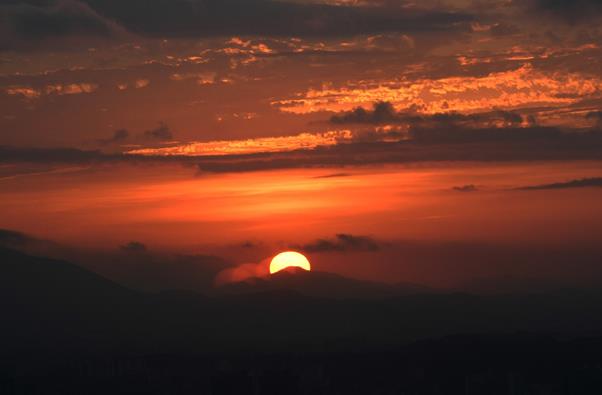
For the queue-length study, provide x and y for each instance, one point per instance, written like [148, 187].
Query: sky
[432, 142]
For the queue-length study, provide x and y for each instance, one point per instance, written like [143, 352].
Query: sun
[289, 259]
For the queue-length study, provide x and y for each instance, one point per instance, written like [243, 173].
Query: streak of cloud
[595, 182]
[466, 188]
[342, 242]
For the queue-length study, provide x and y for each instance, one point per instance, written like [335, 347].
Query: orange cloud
[27, 92]
[142, 83]
[55, 89]
[265, 144]
[205, 78]
[522, 87]
[71, 89]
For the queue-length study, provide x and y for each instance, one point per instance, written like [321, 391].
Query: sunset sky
[438, 142]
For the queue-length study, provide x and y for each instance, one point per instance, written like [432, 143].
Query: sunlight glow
[289, 259]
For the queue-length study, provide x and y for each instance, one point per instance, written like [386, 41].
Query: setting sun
[289, 259]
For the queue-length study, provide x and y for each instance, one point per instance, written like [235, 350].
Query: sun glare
[289, 259]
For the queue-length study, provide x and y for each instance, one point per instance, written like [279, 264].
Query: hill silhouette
[56, 305]
[320, 285]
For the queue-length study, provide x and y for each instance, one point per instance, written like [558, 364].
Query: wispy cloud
[581, 183]
[466, 188]
[31, 93]
[250, 146]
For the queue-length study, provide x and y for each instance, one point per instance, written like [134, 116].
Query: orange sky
[390, 121]
[169, 208]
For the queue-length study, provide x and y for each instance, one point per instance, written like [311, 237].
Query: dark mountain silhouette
[51, 304]
[57, 303]
[321, 285]
[32, 279]
[67, 330]
[509, 284]
[10, 237]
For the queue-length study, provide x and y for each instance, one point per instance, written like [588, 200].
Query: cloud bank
[342, 242]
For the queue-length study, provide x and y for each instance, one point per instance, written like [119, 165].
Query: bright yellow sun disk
[289, 259]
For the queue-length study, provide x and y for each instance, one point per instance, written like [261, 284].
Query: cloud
[134, 247]
[31, 93]
[119, 136]
[249, 146]
[452, 134]
[205, 18]
[71, 89]
[596, 116]
[581, 183]
[503, 29]
[50, 155]
[249, 244]
[333, 175]
[160, 133]
[500, 118]
[511, 144]
[427, 144]
[341, 243]
[142, 83]
[25, 91]
[384, 112]
[466, 188]
[509, 87]
[28, 24]
[571, 11]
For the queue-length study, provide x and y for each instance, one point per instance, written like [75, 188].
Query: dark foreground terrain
[519, 364]
[65, 330]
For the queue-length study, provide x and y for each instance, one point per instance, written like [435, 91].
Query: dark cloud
[26, 24]
[382, 112]
[202, 18]
[494, 119]
[33, 24]
[134, 246]
[333, 175]
[160, 133]
[581, 183]
[466, 188]
[532, 120]
[456, 135]
[342, 243]
[50, 155]
[569, 10]
[503, 30]
[596, 116]
[453, 144]
[424, 144]
[385, 113]
[119, 136]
